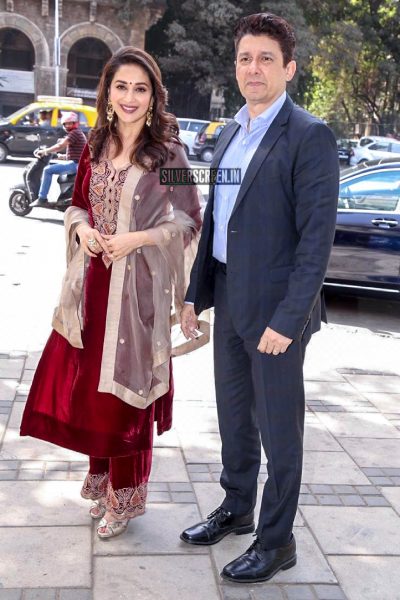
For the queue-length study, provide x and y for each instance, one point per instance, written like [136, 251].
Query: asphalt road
[32, 262]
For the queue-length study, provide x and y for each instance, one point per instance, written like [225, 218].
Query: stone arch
[82, 30]
[32, 31]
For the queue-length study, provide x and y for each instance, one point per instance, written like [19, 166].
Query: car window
[380, 146]
[193, 126]
[365, 141]
[40, 116]
[219, 129]
[395, 148]
[83, 122]
[182, 124]
[374, 191]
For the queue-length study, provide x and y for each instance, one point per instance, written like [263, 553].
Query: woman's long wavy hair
[150, 150]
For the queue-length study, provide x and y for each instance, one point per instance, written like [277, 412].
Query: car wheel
[207, 155]
[19, 204]
[3, 153]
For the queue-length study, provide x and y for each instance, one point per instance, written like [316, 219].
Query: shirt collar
[264, 119]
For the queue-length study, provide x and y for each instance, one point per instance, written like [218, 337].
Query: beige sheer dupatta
[67, 317]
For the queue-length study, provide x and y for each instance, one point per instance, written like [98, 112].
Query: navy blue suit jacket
[280, 232]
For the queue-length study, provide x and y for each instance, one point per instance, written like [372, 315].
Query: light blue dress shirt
[238, 155]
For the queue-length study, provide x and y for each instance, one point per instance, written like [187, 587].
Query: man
[261, 263]
[74, 143]
[44, 118]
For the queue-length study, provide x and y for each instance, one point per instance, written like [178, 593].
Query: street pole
[57, 48]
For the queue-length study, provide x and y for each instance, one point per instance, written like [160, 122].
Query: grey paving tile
[328, 499]
[304, 489]
[200, 476]
[352, 500]
[307, 499]
[60, 568]
[79, 466]
[43, 503]
[354, 529]
[197, 468]
[151, 577]
[56, 475]
[168, 465]
[10, 594]
[337, 468]
[8, 475]
[367, 489]
[392, 472]
[8, 465]
[381, 481]
[237, 592]
[181, 487]
[328, 592]
[376, 501]
[157, 486]
[368, 577]
[32, 464]
[372, 471]
[30, 475]
[321, 489]
[345, 489]
[299, 592]
[8, 389]
[158, 497]
[40, 594]
[57, 466]
[267, 592]
[183, 497]
[396, 480]
[75, 594]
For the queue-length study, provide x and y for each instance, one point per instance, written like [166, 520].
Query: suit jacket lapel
[224, 140]
[267, 143]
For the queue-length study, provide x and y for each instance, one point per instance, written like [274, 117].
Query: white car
[371, 147]
[188, 130]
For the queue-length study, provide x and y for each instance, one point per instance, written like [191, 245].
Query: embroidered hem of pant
[126, 503]
[95, 486]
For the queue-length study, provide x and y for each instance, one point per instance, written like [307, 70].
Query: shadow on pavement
[377, 315]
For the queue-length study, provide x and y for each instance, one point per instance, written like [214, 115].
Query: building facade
[89, 32]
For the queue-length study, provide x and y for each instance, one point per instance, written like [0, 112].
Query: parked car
[373, 146]
[206, 139]
[25, 130]
[188, 128]
[345, 149]
[366, 252]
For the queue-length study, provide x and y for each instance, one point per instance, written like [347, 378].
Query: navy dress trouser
[260, 400]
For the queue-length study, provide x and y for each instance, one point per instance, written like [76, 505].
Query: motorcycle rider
[73, 142]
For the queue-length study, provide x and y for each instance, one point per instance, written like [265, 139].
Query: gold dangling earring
[149, 115]
[110, 112]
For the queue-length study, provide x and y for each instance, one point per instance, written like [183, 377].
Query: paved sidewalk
[347, 526]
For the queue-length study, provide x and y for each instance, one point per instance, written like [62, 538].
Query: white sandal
[98, 509]
[111, 528]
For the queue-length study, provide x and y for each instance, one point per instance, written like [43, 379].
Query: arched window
[86, 60]
[16, 50]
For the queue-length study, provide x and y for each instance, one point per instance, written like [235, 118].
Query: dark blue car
[366, 253]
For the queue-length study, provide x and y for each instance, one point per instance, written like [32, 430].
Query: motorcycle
[24, 194]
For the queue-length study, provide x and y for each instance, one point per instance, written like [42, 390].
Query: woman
[105, 375]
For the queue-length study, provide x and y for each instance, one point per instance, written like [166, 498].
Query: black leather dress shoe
[219, 523]
[257, 564]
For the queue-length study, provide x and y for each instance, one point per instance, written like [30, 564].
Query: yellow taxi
[39, 124]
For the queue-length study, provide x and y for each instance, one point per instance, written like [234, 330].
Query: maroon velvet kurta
[64, 406]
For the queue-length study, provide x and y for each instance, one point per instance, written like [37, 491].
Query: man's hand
[189, 322]
[272, 342]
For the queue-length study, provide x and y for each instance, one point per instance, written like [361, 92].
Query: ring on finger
[92, 242]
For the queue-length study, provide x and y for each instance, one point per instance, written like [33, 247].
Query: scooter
[24, 194]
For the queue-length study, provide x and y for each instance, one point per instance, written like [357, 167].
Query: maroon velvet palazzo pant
[65, 408]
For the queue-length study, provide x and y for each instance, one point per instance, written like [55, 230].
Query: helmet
[70, 117]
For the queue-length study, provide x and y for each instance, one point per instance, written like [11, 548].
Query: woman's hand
[122, 244]
[91, 240]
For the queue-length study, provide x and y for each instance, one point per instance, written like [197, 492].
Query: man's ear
[290, 70]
